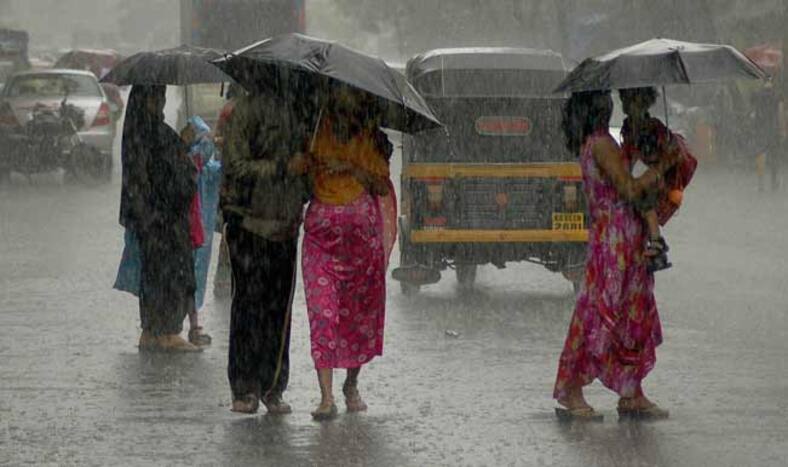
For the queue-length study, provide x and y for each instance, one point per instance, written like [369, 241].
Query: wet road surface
[75, 391]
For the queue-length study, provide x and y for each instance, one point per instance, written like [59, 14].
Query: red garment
[224, 116]
[678, 177]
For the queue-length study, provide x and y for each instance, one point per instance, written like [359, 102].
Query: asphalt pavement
[74, 390]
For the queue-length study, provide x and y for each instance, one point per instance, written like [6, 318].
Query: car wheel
[466, 276]
[409, 290]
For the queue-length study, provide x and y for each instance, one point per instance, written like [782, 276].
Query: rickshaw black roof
[469, 58]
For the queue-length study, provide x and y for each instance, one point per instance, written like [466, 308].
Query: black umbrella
[660, 62]
[319, 64]
[179, 66]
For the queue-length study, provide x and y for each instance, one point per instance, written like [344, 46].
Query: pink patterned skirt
[343, 262]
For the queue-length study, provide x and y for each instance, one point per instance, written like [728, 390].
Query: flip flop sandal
[654, 412]
[582, 414]
[197, 337]
[322, 416]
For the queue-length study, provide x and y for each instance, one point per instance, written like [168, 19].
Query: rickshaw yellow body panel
[562, 170]
[562, 232]
[497, 236]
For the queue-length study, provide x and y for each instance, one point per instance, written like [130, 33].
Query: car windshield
[53, 85]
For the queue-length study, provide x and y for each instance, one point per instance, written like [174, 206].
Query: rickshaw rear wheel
[409, 290]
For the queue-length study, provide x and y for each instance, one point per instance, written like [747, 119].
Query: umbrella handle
[317, 128]
[665, 103]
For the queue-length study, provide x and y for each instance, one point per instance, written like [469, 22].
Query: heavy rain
[393, 233]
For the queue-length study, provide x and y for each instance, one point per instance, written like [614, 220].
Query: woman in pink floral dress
[345, 251]
[615, 328]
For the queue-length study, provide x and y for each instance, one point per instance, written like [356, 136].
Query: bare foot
[635, 403]
[353, 399]
[246, 404]
[198, 337]
[640, 407]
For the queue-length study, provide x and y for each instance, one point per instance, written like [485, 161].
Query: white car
[24, 91]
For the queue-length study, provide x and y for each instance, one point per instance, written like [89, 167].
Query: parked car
[496, 184]
[28, 91]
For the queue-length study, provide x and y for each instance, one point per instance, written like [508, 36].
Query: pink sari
[344, 268]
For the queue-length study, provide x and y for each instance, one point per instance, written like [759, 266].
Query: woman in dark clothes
[159, 183]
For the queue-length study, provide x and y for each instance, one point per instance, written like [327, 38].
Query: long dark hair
[584, 113]
[140, 122]
[140, 132]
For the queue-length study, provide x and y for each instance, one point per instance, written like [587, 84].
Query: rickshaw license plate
[568, 221]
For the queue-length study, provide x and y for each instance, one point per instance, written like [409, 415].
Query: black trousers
[167, 278]
[263, 275]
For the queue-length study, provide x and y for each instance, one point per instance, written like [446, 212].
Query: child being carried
[647, 139]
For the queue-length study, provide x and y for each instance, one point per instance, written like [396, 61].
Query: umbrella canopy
[325, 64]
[766, 56]
[179, 66]
[660, 62]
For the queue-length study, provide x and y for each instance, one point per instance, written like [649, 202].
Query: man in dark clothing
[263, 195]
[767, 120]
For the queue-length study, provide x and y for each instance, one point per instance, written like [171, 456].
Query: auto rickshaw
[496, 184]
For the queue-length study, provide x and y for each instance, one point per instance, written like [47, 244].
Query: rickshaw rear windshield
[488, 83]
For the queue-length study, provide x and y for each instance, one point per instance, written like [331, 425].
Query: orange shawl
[344, 188]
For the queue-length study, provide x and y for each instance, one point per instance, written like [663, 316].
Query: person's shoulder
[603, 143]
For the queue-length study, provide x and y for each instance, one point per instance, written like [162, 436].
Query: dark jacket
[159, 180]
[260, 138]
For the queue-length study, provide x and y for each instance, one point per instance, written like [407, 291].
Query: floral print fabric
[343, 263]
[615, 328]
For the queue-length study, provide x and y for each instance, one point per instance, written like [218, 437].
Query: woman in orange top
[343, 259]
